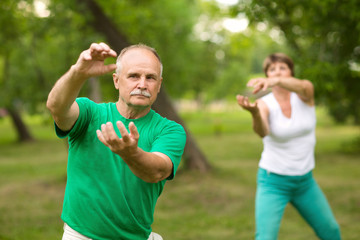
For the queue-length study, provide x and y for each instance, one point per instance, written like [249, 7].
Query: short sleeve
[171, 142]
[85, 113]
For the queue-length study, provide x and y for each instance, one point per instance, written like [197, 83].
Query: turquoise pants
[275, 191]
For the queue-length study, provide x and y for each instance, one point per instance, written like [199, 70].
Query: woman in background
[285, 119]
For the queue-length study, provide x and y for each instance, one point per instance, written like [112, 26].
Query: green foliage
[201, 59]
[36, 51]
[243, 56]
[168, 27]
[324, 37]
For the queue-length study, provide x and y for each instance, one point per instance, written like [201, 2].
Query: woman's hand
[259, 112]
[244, 102]
[262, 83]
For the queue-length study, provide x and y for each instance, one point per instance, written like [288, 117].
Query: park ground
[215, 205]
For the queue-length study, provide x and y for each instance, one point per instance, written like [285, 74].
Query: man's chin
[139, 104]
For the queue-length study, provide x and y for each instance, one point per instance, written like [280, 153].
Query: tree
[324, 38]
[29, 43]
[12, 24]
[30, 40]
[193, 156]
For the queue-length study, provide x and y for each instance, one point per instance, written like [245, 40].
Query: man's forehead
[138, 58]
[138, 52]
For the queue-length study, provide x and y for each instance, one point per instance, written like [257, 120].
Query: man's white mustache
[140, 92]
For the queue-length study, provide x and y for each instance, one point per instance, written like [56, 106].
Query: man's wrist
[76, 74]
[130, 154]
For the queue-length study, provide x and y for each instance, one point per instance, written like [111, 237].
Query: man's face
[139, 80]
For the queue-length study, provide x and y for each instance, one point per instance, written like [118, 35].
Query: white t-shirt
[289, 148]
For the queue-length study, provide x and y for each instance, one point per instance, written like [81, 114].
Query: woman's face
[278, 69]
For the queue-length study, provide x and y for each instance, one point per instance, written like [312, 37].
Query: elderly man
[121, 153]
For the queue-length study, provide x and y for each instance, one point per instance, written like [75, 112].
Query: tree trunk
[194, 158]
[23, 132]
[94, 90]
[21, 129]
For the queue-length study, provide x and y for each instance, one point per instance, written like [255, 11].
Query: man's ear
[116, 80]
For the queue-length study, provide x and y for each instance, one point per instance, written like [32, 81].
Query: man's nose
[142, 82]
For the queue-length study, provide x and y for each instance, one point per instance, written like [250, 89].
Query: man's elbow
[156, 177]
[152, 179]
[50, 105]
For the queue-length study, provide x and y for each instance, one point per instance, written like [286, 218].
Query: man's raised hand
[91, 61]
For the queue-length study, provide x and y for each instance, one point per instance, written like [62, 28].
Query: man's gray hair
[141, 46]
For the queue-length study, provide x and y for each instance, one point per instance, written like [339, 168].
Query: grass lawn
[212, 206]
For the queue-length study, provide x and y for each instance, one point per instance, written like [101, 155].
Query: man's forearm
[61, 99]
[65, 91]
[150, 167]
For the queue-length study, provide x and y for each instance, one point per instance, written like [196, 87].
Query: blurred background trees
[323, 37]
[210, 49]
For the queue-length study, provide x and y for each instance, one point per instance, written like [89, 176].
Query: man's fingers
[107, 51]
[109, 133]
[95, 49]
[101, 137]
[112, 53]
[101, 51]
[133, 131]
[91, 61]
[124, 133]
[110, 67]
[104, 132]
[104, 46]
[108, 136]
[99, 47]
[86, 55]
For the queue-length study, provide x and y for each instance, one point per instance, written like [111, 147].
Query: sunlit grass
[215, 205]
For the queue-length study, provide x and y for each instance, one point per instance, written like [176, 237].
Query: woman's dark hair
[278, 57]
